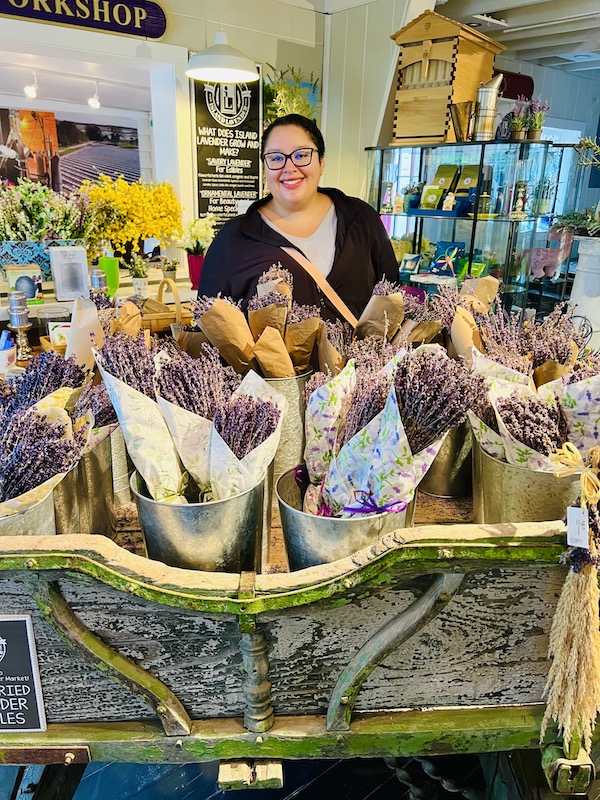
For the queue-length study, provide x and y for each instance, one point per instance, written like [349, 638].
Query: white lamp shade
[222, 64]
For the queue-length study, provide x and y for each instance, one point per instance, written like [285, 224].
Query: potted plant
[288, 91]
[138, 269]
[518, 123]
[197, 236]
[535, 120]
[169, 269]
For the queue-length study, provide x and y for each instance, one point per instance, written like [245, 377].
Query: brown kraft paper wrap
[226, 329]
[329, 358]
[417, 332]
[480, 292]
[465, 334]
[383, 314]
[272, 356]
[273, 316]
[300, 338]
[190, 341]
[129, 319]
[551, 370]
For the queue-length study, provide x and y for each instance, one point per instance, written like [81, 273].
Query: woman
[342, 236]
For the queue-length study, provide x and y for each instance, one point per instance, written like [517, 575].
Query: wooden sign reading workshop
[135, 18]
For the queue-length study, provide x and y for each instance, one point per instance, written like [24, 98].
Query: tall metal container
[290, 452]
[36, 521]
[485, 109]
[84, 499]
[312, 540]
[508, 493]
[450, 473]
[220, 536]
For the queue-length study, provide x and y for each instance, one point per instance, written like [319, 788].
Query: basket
[160, 321]
[48, 347]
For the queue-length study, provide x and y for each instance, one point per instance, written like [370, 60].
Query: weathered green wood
[140, 682]
[401, 733]
[382, 643]
[567, 776]
[403, 553]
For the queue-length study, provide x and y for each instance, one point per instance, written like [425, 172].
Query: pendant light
[94, 100]
[31, 89]
[222, 64]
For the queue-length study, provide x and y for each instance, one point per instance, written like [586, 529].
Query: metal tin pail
[290, 451]
[312, 540]
[84, 499]
[507, 493]
[36, 521]
[450, 473]
[219, 536]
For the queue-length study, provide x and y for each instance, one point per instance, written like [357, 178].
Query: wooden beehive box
[441, 63]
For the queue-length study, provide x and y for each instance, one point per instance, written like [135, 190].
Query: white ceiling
[562, 34]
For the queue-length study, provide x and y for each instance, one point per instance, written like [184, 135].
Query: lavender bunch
[443, 305]
[368, 399]
[262, 301]
[539, 425]
[203, 304]
[277, 273]
[298, 313]
[552, 339]
[370, 354]
[131, 361]
[45, 373]
[95, 398]
[199, 385]
[32, 451]
[384, 288]
[315, 382]
[587, 366]
[244, 422]
[505, 342]
[339, 335]
[101, 300]
[434, 394]
[415, 309]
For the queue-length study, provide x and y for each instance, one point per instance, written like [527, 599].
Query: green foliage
[588, 151]
[284, 93]
[580, 223]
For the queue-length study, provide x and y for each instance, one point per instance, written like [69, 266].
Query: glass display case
[472, 208]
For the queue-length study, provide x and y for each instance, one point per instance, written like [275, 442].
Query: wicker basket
[160, 321]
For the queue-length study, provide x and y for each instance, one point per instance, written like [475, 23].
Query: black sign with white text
[21, 703]
[228, 131]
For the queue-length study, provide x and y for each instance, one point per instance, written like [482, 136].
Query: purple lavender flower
[370, 354]
[385, 288]
[539, 425]
[45, 373]
[339, 335]
[415, 309]
[434, 394]
[277, 273]
[95, 398]
[587, 366]
[298, 313]
[368, 399]
[262, 301]
[203, 304]
[131, 361]
[244, 422]
[199, 385]
[101, 300]
[315, 382]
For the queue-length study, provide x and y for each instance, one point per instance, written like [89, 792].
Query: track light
[31, 88]
[94, 101]
[222, 64]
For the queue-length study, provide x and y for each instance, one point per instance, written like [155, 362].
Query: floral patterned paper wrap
[217, 471]
[581, 404]
[147, 438]
[489, 441]
[494, 371]
[325, 414]
[378, 462]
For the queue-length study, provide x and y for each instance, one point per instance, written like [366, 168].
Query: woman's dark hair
[301, 122]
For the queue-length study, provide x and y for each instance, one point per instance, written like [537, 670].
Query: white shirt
[318, 248]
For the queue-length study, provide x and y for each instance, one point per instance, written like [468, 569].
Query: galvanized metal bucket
[84, 499]
[508, 493]
[450, 474]
[290, 451]
[220, 536]
[36, 521]
[312, 540]
[122, 467]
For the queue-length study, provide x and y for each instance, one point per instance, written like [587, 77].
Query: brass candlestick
[24, 351]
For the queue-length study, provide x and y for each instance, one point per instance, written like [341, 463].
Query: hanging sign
[134, 18]
[21, 703]
[228, 131]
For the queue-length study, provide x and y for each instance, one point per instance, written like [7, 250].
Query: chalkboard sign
[21, 703]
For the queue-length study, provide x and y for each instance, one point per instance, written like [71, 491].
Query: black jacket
[246, 246]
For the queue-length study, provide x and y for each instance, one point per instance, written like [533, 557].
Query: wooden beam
[547, 29]
[462, 9]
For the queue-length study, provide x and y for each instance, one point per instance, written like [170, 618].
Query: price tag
[577, 527]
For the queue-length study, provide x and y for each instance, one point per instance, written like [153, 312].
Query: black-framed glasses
[299, 158]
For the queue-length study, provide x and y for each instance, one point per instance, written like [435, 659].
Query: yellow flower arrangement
[134, 211]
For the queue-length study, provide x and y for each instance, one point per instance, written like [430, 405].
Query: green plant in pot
[139, 271]
[289, 91]
[412, 193]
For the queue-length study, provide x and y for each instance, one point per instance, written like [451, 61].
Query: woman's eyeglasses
[299, 158]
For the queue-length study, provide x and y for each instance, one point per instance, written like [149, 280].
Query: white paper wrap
[147, 438]
[217, 471]
[581, 403]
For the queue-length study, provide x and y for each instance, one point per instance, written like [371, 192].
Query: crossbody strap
[325, 287]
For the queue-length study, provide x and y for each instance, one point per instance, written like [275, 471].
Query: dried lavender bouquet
[127, 369]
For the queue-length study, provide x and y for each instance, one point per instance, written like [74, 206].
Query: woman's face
[292, 187]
